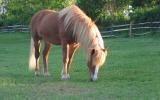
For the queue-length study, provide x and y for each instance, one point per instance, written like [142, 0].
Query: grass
[131, 72]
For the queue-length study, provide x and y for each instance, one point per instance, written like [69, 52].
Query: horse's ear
[105, 50]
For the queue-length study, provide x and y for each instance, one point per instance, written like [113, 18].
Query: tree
[145, 3]
[21, 11]
[102, 11]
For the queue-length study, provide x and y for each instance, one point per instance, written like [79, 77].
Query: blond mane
[84, 29]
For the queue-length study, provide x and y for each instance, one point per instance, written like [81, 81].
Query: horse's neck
[90, 38]
[95, 43]
[100, 41]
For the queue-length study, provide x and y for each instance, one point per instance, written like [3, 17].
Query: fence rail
[132, 29]
[15, 28]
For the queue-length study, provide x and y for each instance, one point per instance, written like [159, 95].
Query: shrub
[146, 14]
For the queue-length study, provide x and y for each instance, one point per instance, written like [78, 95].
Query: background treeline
[21, 11]
[103, 12]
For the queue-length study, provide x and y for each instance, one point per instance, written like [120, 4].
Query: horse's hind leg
[37, 54]
[45, 58]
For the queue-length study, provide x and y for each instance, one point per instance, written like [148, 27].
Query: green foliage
[60, 4]
[103, 12]
[115, 18]
[107, 12]
[93, 8]
[21, 11]
[146, 14]
[145, 3]
[100, 10]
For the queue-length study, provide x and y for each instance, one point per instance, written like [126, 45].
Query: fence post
[151, 30]
[130, 29]
[112, 29]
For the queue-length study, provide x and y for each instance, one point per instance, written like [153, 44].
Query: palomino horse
[69, 28]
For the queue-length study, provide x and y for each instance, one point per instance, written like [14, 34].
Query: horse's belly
[50, 34]
[54, 41]
[52, 38]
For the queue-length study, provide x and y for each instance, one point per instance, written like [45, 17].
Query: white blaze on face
[94, 76]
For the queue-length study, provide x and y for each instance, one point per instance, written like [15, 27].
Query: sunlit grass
[131, 72]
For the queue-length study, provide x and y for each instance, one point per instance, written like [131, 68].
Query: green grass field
[131, 72]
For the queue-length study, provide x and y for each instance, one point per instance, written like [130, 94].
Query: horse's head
[95, 61]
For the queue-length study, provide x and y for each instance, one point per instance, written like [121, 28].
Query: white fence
[113, 31]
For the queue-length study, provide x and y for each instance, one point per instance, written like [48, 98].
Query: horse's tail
[32, 59]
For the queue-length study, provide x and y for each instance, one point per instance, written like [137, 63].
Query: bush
[116, 18]
[146, 14]
[21, 11]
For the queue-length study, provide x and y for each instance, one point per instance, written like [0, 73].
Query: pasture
[131, 72]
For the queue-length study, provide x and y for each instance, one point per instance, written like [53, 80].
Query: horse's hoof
[65, 77]
[93, 79]
[46, 74]
[37, 73]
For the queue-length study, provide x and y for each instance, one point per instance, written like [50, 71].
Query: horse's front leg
[72, 49]
[64, 73]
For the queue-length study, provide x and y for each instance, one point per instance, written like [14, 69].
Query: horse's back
[45, 25]
[37, 17]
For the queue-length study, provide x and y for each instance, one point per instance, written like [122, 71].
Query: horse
[70, 28]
